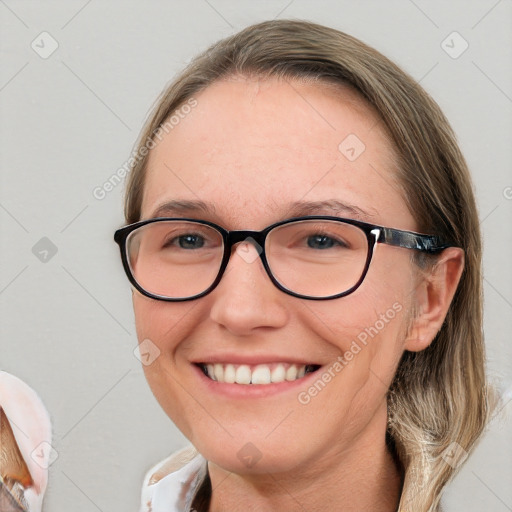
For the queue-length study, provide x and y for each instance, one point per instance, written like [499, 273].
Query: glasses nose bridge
[256, 238]
[235, 237]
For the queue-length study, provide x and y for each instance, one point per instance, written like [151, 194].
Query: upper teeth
[260, 374]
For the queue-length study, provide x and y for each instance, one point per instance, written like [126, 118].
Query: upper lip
[252, 359]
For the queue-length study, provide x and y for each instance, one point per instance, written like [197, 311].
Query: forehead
[250, 148]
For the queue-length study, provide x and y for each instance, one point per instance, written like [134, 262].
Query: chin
[249, 459]
[246, 451]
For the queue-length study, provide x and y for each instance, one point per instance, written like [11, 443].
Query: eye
[320, 241]
[187, 241]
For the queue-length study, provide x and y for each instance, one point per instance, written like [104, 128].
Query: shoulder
[171, 484]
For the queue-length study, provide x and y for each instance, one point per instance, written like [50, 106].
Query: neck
[362, 478]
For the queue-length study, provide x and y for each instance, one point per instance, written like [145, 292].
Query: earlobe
[433, 298]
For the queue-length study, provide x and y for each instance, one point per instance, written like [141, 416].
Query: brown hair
[439, 395]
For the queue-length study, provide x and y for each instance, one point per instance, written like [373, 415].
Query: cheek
[161, 327]
[369, 320]
[367, 328]
[363, 337]
[163, 323]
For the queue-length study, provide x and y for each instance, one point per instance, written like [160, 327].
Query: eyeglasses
[314, 257]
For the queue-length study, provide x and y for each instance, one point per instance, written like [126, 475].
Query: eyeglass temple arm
[409, 240]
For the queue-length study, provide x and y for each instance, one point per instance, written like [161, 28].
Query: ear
[433, 298]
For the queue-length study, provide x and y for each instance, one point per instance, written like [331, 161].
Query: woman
[305, 253]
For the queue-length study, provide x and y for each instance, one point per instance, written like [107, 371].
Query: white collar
[171, 485]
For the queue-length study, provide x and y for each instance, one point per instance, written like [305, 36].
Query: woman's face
[252, 153]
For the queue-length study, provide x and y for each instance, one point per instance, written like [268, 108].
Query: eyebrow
[296, 209]
[333, 207]
[181, 207]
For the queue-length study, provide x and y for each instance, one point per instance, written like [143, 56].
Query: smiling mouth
[257, 374]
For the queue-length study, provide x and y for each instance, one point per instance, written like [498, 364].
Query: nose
[245, 299]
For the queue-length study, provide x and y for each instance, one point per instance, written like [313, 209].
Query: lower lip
[254, 390]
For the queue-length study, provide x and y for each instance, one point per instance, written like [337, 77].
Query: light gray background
[69, 121]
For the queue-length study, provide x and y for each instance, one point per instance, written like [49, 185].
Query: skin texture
[251, 148]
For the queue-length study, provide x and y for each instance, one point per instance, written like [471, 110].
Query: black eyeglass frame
[431, 244]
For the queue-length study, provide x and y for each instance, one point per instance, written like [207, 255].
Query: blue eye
[190, 241]
[321, 242]
[187, 241]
